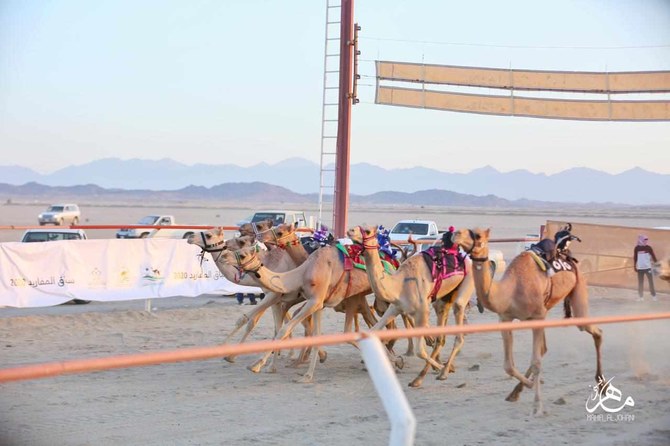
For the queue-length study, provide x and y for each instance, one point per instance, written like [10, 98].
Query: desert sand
[214, 402]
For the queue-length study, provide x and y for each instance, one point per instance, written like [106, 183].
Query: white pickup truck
[155, 220]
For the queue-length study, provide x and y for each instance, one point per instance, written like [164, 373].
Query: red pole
[341, 199]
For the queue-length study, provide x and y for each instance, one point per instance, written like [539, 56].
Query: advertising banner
[51, 273]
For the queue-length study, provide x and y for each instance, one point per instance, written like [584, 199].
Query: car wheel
[59, 222]
[75, 221]
[144, 235]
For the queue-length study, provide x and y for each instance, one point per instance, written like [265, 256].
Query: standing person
[644, 257]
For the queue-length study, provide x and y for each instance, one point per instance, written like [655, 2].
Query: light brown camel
[525, 292]
[213, 241]
[662, 269]
[323, 278]
[288, 255]
[408, 291]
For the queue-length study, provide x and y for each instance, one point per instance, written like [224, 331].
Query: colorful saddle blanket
[443, 263]
[351, 256]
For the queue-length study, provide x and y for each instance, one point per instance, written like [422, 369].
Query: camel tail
[567, 309]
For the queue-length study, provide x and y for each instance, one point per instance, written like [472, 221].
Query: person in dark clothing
[643, 259]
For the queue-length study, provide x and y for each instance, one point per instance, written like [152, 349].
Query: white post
[147, 305]
[403, 422]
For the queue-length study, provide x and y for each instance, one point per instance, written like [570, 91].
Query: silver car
[60, 214]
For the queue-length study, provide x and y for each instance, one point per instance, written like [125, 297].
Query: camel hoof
[256, 368]
[539, 411]
[416, 383]
[513, 397]
[322, 356]
[230, 359]
[305, 379]
[400, 362]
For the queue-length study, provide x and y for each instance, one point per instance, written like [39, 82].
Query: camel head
[281, 235]
[255, 228]
[364, 235]
[473, 241]
[243, 241]
[662, 269]
[243, 259]
[210, 240]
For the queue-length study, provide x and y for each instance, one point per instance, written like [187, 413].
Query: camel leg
[442, 313]
[308, 377]
[536, 366]
[579, 300]
[459, 340]
[389, 315]
[510, 368]
[422, 321]
[251, 320]
[409, 323]
[304, 312]
[514, 395]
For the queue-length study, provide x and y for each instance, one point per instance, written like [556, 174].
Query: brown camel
[662, 269]
[323, 278]
[408, 291]
[525, 292]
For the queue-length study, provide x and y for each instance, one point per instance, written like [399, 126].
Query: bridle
[366, 240]
[279, 241]
[474, 245]
[252, 265]
[211, 248]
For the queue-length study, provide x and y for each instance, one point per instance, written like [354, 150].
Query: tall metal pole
[341, 201]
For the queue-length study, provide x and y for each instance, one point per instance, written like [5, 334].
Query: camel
[213, 241]
[525, 292]
[409, 290]
[662, 269]
[323, 278]
[283, 259]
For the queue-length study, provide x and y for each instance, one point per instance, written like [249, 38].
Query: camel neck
[380, 280]
[484, 284]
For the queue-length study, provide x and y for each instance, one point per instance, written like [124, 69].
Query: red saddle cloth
[443, 263]
[352, 258]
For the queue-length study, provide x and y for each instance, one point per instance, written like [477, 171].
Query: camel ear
[488, 232]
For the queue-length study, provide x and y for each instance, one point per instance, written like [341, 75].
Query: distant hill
[258, 192]
[579, 185]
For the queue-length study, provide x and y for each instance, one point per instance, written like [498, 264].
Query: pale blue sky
[241, 81]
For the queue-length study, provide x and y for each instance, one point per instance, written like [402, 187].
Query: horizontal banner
[51, 273]
[526, 107]
[574, 81]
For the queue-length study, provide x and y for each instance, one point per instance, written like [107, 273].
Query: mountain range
[301, 177]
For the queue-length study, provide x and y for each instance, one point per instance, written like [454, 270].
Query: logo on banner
[151, 275]
[607, 398]
[96, 279]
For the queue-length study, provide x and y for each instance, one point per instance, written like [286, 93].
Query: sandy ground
[215, 402]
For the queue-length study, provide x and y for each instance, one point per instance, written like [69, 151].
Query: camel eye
[478, 236]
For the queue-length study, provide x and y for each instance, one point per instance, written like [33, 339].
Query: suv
[50, 235]
[418, 228]
[149, 220]
[60, 214]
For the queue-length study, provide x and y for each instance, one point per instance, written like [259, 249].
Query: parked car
[50, 235]
[60, 214]
[149, 220]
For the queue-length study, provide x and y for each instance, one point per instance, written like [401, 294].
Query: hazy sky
[240, 82]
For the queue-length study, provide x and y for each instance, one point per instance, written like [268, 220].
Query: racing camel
[525, 292]
[325, 281]
[409, 290]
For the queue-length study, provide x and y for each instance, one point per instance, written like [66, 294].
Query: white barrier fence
[45, 274]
